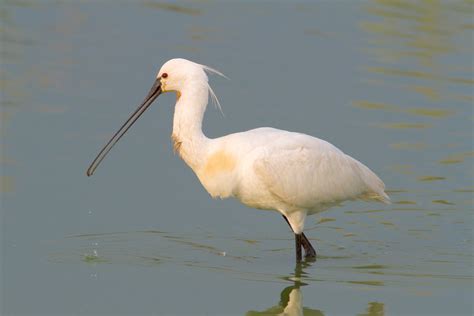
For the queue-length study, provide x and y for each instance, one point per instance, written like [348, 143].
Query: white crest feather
[214, 71]
[214, 98]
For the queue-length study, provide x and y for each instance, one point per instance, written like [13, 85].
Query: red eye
[164, 75]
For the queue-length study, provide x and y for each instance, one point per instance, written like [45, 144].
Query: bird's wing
[314, 175]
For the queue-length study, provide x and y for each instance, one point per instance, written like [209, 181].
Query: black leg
[298, 239]
[310, 253]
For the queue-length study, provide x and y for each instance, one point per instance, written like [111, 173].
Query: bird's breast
[219, 162]
[217, 173]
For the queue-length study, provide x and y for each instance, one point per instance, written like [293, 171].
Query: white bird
[265, 168]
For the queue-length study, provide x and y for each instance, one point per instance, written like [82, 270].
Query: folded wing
[316, 175]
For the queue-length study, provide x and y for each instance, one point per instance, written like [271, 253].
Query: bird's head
[174, 75]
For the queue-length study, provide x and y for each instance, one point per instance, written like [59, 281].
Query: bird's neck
[188, 139]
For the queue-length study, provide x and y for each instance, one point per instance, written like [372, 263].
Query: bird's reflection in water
[291, 298]
[374, 309]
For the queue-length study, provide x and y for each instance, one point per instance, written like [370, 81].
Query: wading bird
[265, 168]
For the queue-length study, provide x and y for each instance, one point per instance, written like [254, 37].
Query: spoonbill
[265, 168]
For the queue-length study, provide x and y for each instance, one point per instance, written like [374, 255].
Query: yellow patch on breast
[219, 162]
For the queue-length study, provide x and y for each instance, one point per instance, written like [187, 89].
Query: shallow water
[390, 83]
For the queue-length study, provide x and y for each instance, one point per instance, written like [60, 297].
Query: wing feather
[317, 175]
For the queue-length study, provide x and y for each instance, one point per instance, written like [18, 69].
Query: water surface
[390, 83]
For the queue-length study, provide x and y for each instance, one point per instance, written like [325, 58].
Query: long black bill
[155, 91]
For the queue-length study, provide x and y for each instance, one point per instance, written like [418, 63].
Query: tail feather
[375, 186]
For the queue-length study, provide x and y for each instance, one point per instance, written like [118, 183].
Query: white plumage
[265, 168]
[292, 173]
